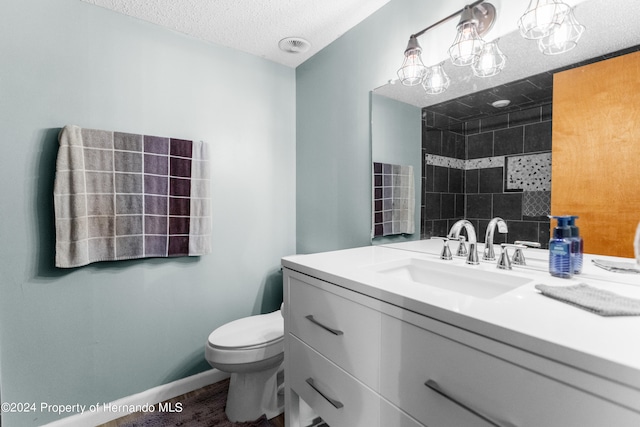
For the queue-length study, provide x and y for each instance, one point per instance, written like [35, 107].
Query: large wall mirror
[479, 161]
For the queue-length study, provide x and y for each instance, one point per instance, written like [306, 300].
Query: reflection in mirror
[397, 128]
[481, 163]
[481, 160]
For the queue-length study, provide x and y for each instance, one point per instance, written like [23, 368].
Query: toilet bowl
[251, 349]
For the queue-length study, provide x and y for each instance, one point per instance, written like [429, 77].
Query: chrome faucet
[454, 234]
[489, 254]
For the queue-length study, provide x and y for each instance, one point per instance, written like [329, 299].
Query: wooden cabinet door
[596, 152]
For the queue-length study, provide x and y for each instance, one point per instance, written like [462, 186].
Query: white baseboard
[111, 411]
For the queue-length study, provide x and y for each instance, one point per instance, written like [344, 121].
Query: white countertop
[522, 317]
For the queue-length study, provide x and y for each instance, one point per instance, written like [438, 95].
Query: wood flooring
[277, 421]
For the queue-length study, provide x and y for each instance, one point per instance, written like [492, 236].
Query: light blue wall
[396, 138]
[108, 330]
[333, 194]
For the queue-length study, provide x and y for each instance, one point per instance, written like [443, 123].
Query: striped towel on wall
[124, 196]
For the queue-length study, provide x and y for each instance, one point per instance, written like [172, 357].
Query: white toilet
[251, 349]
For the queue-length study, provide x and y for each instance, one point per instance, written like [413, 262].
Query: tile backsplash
[478, 169]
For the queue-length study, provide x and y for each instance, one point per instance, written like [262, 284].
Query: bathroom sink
[466, 280]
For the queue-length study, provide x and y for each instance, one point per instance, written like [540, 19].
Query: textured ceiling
[253, 26]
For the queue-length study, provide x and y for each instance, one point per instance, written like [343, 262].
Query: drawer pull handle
[435, 387]
[336, 404]
[326, 328]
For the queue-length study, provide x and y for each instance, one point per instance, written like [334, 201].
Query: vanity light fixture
[436, 80]
[476, 19]
[490, 62]
[413, 70]
[550, 22]
[468, 44]
[541, 18]
[563, 38]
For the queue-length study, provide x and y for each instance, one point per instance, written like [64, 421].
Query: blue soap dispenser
[560, 262]
[577, 245]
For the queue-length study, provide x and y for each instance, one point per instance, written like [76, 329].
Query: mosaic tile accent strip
[485, 163]
[536, 203]
[393, 200]
[125, 196]
[531, 172]
[448, 162]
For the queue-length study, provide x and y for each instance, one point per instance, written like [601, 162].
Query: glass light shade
[436, 80]
[467, 46]
[562, 39]
[490, 62]
[413, 70]
[542, 17]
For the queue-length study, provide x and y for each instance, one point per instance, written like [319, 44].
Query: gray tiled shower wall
[482, 168]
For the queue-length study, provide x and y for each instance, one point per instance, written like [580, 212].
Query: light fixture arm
[453, 15]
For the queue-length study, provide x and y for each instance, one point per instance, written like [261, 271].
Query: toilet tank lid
[249, 331]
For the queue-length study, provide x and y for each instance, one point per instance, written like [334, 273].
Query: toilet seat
[247, 340]
[251, 350]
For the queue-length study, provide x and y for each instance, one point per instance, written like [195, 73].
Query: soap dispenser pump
[577, 245]
[560, 260]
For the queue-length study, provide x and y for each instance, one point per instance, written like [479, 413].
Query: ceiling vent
[294, 45]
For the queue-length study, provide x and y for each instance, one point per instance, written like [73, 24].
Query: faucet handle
[462, 248]
[446, 252]
[518, 256]
[504, 263]
[527, 244]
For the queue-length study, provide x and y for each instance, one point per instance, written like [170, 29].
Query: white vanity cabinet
[435, 378]
[343, 331]
[332, 356]
[360, 361]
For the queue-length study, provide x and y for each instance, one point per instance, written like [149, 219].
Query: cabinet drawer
[333, 394]
[504, 392]
[391, 416]
[345, 332]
